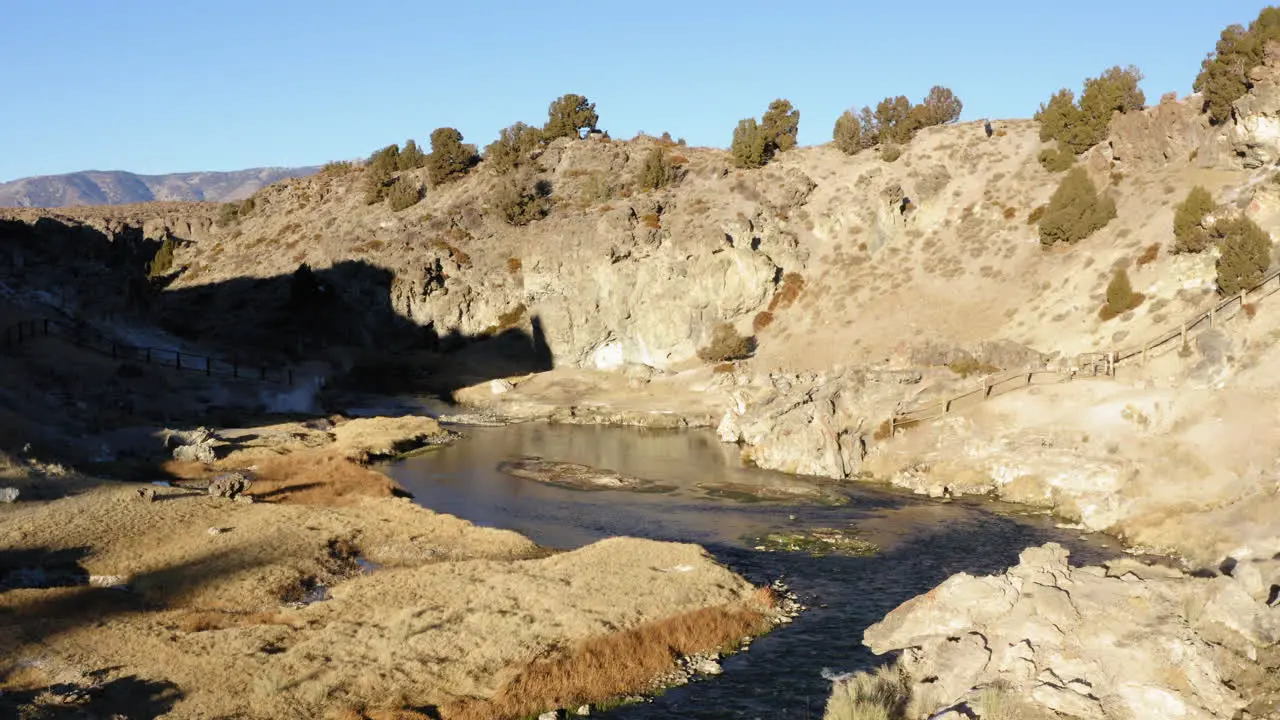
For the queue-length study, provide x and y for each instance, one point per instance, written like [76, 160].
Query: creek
[921, 542]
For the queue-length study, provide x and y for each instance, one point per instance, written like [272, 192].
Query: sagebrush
[1075, 211]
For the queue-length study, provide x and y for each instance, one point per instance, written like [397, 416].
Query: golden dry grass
[303, 478]
[617, 664]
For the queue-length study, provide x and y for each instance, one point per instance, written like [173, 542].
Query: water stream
[922, 543]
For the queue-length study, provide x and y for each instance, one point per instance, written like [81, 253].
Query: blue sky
[156, 86]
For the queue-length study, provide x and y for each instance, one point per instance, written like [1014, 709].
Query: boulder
[229, 485]
[8, 495]
[1128, 640]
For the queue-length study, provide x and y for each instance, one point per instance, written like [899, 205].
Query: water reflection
[924, 541]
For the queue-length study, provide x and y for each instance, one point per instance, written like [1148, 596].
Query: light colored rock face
[1254, 129]
[1124, 641]
[1166, 133]
[813, 423]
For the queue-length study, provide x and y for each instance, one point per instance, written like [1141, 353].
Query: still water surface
[922, 543]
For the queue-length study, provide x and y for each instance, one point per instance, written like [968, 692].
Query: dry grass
[1148, 255]
[303, 478]
[788, 292]
[514, 265]
[1249, 310]
[880, 695]
[1010, 213]
[971, 366]
[617, 664]
[762, 320]
[651, 220]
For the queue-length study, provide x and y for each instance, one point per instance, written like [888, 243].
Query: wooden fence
[85, 337]
[1094, 364]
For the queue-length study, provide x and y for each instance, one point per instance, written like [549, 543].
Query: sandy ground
[325, 594]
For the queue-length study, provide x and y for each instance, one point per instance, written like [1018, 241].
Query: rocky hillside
[93, 187]
[615, 275]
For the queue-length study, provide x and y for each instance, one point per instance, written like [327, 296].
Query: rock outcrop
[813, 423]
[1254, 129]
[1127, 640]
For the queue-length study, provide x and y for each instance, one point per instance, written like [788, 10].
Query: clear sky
[157, 86]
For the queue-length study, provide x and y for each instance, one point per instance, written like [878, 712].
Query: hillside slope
[643, 277]
[93, 187]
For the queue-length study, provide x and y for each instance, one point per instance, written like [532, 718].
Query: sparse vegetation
[880, 695]
[761, 321]
[1055, 159]
[1079, 126]
[411, 157]
[521, 200]
[1120, 296]
[727, 344]
[613, 665]
[1036, 214]
[1075, 210]
[967, 366]
[449, 159]
[1188, 218]
[568, 116]
[512, 148]
[1246, 254]
[895, 121]
[658, 170]
[780, 125]
[1224, 74]
[849, 134]
[748, 147]
[162, 262]
[890, 153]
[337, 167]
[404, 194]
[755, 143]
[1148, 255]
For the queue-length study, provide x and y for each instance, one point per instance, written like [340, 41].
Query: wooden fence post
[893, 421]
[290, 377]
[177, 360]
[208, 366]
[1184, 334]
[148, 356]
[1212, 311]
[946, 407]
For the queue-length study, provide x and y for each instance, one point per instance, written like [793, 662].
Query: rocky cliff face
[1126, 640]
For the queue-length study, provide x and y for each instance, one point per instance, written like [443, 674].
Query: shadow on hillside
[342, 316]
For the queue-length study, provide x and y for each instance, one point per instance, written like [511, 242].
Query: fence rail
[85, 337]
[1101, 364]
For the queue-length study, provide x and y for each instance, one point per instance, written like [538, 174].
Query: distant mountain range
[93, 187]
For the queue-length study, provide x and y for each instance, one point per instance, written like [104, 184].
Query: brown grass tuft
[882, 432]
[1148, 255]
[678, 160]
[970, 366]
[1249, 310]
[762, 320]
[788, 292]
[609, 666]
[514, 265]
[1010, 213]
[651, 220]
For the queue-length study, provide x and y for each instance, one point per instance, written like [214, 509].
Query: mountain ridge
[121, 187]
